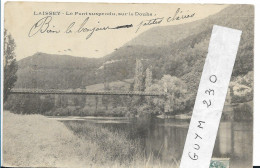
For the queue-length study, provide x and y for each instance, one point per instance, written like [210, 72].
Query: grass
[114, 145]
[36, 141]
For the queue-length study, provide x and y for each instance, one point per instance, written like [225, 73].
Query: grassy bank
[36, 141]
[114, 145]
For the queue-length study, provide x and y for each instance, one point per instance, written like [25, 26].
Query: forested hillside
[175, 50]
[56, 71]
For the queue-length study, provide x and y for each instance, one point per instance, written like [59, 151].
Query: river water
[165, 138]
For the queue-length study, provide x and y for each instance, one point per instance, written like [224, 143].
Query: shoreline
[37, 141]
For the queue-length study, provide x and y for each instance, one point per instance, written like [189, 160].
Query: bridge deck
[84, 92]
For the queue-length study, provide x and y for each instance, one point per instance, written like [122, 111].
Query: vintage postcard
[114, 85]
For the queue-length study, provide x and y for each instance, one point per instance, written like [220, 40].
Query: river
[165, 138]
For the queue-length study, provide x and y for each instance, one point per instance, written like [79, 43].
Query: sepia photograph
[106, 85]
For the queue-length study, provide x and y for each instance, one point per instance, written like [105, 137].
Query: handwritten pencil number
[194, 156]
[210, 91]
[207, 103]
[213, 78]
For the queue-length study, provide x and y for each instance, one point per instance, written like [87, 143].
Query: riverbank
[36, 141]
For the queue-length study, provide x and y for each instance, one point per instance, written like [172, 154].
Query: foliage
[174, 51]
[240, 99]
[10, 65]
[178, 95]
[243, 111]
[242, 88]
[115, 144]
[177, 50]
[29, 104]
[139, 78]
[148, 77]
[42, 146]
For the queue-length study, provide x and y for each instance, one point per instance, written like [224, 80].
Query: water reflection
[165, 138]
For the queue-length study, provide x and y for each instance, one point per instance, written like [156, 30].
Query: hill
[56, 71]
[178, 50]
[181, 50]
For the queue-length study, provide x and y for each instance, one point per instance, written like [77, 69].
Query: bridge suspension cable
[85, 92]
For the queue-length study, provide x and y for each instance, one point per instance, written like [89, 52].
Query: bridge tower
[148, 77]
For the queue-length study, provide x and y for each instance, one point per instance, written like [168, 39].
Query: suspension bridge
[85, 92]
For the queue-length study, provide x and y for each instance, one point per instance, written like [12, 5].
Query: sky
[25, 21]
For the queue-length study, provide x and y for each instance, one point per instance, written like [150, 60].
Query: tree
[178, 98]
[242, 88]
[10, 64]
[138, 86]
[138, 83]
